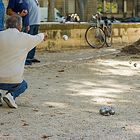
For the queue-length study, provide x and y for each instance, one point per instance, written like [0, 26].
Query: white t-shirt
[34, 12]
[14, 47]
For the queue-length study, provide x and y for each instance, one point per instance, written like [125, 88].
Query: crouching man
[14, 47]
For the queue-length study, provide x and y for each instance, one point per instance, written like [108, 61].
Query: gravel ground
[66, 91]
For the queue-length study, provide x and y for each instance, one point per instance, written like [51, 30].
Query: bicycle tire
[108, 34]
[95, 37]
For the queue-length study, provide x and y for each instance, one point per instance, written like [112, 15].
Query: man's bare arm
[45, 36]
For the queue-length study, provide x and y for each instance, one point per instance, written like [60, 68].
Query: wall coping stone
[123, 33]
[82, 25]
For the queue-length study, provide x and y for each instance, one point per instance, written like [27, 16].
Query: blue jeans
[33, 31]
[2, 12]
[14, 89]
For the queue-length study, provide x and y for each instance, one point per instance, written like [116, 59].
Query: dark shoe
[35, 60]
[28, 62]
[0, 99]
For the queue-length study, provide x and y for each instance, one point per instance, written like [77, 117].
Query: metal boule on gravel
[111, 112]
[104, 111]
[107, 111]
[135, 64]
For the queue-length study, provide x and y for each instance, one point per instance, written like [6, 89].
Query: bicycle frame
[99, 33]
[106, 27]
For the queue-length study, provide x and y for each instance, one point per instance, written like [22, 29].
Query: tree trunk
[51, 12]
[82, 9]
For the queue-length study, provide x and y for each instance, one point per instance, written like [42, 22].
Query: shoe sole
[0, 99]
[8, 102]
[0, 102]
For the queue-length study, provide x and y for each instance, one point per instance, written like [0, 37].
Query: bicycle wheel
[108, 34]
[95, 37]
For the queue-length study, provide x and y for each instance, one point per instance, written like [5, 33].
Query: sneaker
[0, 99]
[28, 62]
[8, 98]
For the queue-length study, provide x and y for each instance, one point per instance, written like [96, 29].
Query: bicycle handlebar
[101, 19]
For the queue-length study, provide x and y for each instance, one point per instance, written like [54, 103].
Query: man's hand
[27, 29]
[45, 36]
[23, 13]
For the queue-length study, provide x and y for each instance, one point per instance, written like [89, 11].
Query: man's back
[14, 46]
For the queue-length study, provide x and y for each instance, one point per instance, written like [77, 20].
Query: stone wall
[56, 31]
[126, 33]
[122, 34]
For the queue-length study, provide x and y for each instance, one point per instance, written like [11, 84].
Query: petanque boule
[111, 112]
[103, 112]
[135, 64]
[65, 37]
[106, 111]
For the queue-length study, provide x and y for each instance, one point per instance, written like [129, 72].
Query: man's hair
[13, 21]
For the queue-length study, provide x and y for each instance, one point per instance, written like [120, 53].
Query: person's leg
[18, 89]
[31, 54]
[14, 90]
[27, 62]
[34, 49]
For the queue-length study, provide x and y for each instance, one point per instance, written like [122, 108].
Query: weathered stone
[122, 34]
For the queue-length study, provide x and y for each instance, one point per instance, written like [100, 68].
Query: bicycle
[99, 32]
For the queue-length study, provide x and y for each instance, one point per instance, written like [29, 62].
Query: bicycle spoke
[95, 37]
[109, 35]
